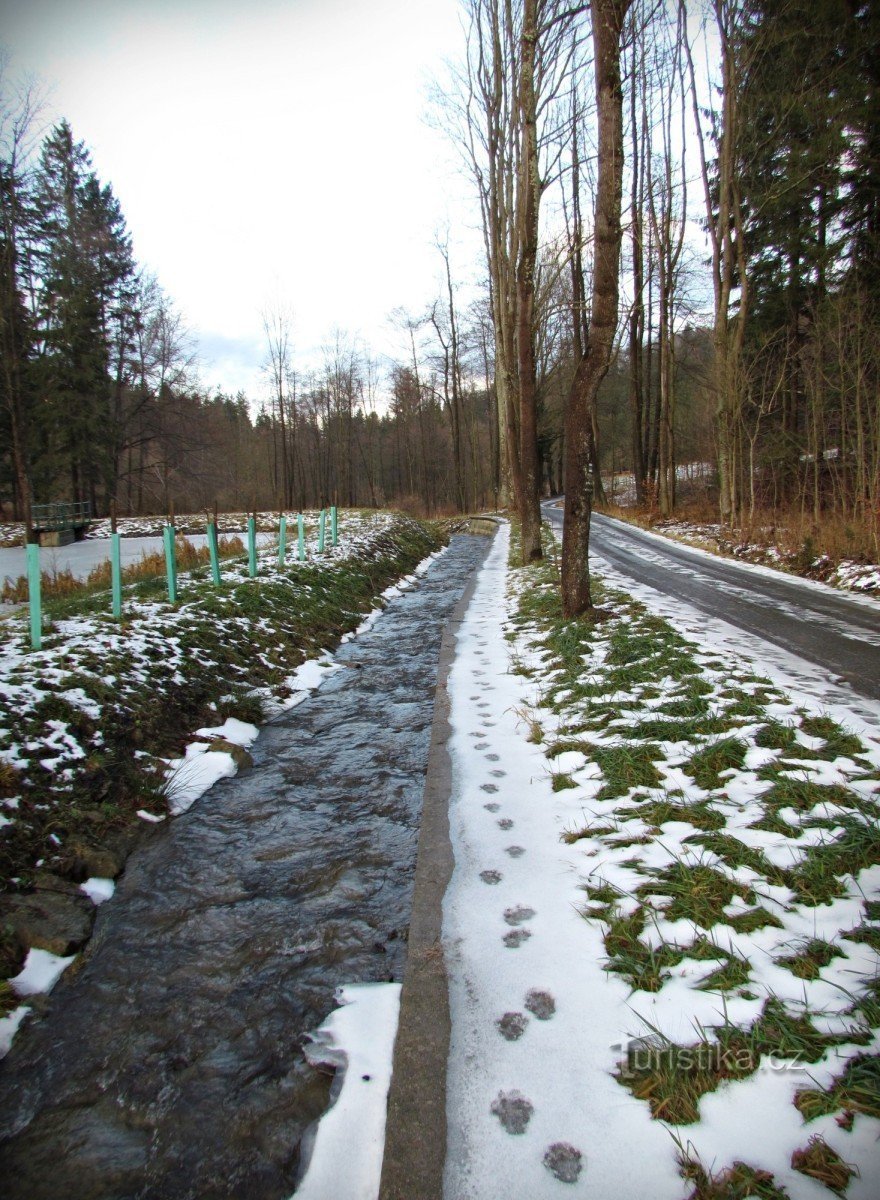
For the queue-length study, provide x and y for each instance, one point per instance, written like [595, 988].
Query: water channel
[170, 1063]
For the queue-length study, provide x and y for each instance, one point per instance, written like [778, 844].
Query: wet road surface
[820, 625]
[169, 1065]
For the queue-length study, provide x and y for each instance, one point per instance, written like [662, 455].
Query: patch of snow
[97, 889]
[358, 1040]
[9, 1026]
[40, 973]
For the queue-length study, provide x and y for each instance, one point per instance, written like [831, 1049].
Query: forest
[680, 204]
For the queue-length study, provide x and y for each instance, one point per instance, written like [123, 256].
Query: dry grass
[799, 538]
[59, 584]
[820, 1162]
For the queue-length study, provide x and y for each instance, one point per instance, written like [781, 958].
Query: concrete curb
[415, 1139]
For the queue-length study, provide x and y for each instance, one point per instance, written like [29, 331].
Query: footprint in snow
[515, 851]
[518, 914]
[477, 733]
[512, 1025]
[513, 1110]
[541, 1004]
[493, 807]
[481, 745]
[564, 1161]
[496, 774]
[515, 939]
[491, 876]
[493, 758]
[505, 823]
[489, 787]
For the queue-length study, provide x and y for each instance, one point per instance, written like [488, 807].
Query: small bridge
[61, 523]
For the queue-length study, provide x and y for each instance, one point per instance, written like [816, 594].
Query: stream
[169, 1061]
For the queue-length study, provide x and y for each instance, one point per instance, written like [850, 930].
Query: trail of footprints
[512, 1108]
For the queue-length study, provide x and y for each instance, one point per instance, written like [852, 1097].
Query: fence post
[252, 546]
[170, 562]
[33, 571]
[301, 537]
[334, 529]
[282, 540]
[322, 526]
[115, 565]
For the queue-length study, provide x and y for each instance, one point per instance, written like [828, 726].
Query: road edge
[415, 1137]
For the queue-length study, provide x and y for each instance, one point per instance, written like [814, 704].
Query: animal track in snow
[516, 937]
[505, 823]
[481, 745]
[513, 1110]
[491, 876]
[541, 1004]
[512, 1025]
[489, 787]
[493, 807]
[496, 774]
[515, 851]
[516, 916]
[493, 757]
[564, 1161]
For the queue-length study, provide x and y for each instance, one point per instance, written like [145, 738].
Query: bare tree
[607, 26]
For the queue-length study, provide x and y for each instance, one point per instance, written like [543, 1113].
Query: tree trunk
[607, 16]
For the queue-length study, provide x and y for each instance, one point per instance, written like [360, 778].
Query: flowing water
[170, 1064]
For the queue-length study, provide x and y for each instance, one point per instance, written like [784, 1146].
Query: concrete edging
[415, 1139]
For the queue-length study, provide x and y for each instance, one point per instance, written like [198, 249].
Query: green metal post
[214, 552]
[33, 570]
[301, 537]
[116, 574]
[322, 526]
[252, 547]
[334, 528]
[170, 562]
[282, 540]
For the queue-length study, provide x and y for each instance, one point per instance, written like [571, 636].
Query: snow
[190, 777]
[309, 676]
[238, 733]
[513, 926]
[580, 1105]
[97, 889]
[40, 973]
[358, 1040]
[9, 1026]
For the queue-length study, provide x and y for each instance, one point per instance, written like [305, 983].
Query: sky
[265, 153]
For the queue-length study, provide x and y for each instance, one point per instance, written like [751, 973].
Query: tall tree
[592, 367]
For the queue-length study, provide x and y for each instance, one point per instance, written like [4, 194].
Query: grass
[810, 959]
[627, 767]
[736, 1182]
[705, 765]
[599, 680]
[820, 1162]
[856, 1090]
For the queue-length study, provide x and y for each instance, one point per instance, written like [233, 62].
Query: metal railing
[63, 515]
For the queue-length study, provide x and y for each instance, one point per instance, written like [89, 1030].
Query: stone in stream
[49, 920]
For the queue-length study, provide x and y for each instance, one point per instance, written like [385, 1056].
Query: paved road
[824, 627]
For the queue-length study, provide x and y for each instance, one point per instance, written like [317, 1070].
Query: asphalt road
[825, 627]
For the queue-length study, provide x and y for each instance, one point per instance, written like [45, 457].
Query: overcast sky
[263, 151]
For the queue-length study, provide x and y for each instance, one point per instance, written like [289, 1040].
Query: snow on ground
[357, 1040]
[549, 1016]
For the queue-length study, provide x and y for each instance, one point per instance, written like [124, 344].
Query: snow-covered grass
[671, 888]
[93, 724]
